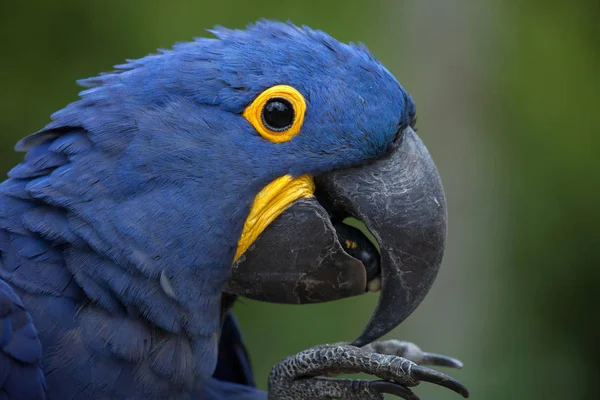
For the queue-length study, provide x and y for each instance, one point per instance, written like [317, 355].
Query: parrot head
[344, 127]
[249, 151]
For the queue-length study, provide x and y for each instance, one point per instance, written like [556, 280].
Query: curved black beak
[301, 258]
[401, 201]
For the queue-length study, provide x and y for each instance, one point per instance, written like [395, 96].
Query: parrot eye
[277, 113]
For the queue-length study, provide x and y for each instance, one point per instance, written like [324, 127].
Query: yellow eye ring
[277, 114]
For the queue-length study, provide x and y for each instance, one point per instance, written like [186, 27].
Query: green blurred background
[508, 97]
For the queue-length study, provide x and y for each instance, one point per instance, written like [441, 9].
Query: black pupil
[278, 114]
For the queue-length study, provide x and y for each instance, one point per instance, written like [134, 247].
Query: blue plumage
[21, 376]
[152, 173]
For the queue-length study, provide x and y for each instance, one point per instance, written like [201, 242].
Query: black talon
[441, 361]
[393, 388]
[433, 376]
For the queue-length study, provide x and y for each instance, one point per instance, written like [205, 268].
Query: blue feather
[234, 363]
[21, 375]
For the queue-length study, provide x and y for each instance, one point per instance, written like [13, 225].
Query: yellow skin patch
[283, 191]
[254, 113]
[270, 203]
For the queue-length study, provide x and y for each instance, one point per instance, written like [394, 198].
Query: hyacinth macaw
[224, 167]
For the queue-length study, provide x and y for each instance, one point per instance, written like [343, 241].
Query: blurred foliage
[517, 297]
[549, 95]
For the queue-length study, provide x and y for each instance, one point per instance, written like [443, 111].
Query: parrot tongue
[307, 254]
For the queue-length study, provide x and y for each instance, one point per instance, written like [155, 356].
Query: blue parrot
[224, 167]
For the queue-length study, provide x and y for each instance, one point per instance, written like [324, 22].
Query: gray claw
[393, 388]
[440, 360]
[433, 376]
[412, 352]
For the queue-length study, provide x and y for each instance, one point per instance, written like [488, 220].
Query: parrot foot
[304, 375]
